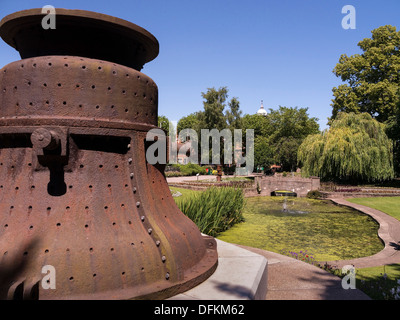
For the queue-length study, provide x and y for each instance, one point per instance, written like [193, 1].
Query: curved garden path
[389, 232]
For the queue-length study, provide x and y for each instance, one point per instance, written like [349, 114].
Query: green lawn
[186, 193]
[389, 205]
[378, 282]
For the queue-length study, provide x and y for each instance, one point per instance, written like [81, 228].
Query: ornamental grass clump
[215, 210]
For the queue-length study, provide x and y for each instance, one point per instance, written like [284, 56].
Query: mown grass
[380, 282]
[389, 205]
[186, 193]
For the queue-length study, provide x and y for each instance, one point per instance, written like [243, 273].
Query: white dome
[262, 111]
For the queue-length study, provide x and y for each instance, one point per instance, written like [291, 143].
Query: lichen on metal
[76, 191]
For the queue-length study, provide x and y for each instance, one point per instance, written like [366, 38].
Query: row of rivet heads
[142, 218]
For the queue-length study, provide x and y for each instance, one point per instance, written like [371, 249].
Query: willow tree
[354, 149]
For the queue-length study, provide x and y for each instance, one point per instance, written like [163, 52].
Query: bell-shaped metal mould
[77, 196]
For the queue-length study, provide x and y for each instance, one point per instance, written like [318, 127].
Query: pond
[324, 229]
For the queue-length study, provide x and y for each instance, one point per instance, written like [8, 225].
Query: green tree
[290, 126]
[263, 152]
[233, 115]
[373, 77]
[373, 82]
[286, 152]
[393, 132]
[191, 121]
[163, 123]
[284, 130]
[214, 104]
[292, 123]
[218, 113]
[354, 149]
[260, 124]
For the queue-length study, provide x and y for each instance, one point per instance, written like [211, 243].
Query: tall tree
[373, 77]
[261, 125]
[264, 152]
[292, 122]
[233, 114]
[290, 127]
[214, 104]
[217, 113]
[283, 130]
[354, 149]
[393, 132]
[163, 123]
[191, 121]
[373, 82]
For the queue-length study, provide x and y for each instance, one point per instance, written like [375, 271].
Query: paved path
[389, 232]
[190, 178]
[291, 279]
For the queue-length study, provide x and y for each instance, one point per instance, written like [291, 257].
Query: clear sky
[279, 51]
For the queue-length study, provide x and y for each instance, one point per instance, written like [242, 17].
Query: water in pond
[288, 210]
[329, 231]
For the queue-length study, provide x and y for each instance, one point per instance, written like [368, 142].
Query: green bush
[215, 210]
[190, 169]
[314, 194]
[173, 174]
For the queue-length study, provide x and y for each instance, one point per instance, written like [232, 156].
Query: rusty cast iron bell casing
[76, 191]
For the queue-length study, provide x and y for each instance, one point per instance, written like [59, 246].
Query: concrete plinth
[240, 275]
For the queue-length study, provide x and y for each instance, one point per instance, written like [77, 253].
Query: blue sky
[282, 52]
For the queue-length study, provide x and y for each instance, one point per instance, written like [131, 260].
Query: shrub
[229, 170]
[174, 174]
[179, 170]
[215, 209]
[314, 194]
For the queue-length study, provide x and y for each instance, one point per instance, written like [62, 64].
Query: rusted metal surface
[76, 191]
